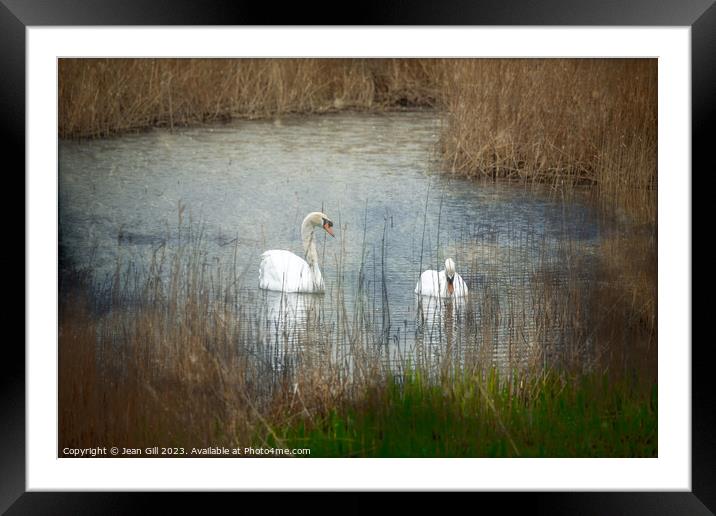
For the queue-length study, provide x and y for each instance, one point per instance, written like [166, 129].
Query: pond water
[246, 187]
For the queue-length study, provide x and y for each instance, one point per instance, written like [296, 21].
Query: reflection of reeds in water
[183, 355]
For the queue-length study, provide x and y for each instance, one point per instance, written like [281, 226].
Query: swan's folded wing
[429, 284]
[460, 286]
[284, 271]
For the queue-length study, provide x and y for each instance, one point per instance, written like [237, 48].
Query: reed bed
[177, 356]
[102, 97]
[564, 122]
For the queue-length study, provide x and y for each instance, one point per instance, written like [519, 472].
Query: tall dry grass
[101, 97]
[561, 121]
[627, 291]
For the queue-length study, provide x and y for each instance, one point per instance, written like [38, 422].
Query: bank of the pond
[186, 371]
[548, 416]
[559, 121]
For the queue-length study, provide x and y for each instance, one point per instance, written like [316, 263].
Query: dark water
[248, 185]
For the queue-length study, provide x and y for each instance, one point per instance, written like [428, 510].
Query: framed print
[406, 255]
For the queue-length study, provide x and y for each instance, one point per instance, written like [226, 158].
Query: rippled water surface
[245, 188]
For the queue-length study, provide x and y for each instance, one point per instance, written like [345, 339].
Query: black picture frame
[17, 15]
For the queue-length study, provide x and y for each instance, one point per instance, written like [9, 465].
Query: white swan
[445, 283]
[284, 271]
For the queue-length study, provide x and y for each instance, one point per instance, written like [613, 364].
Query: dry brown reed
[101, 97]
[561, 121]
[627, 291]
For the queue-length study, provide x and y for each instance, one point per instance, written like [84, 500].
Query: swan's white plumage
[284, 271]
[434, 283]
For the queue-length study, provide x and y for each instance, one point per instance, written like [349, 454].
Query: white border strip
[672, 470]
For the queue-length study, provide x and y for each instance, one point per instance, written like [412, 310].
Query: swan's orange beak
[328, 229]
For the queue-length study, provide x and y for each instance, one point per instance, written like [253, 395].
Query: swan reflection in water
[287, 321]
[438, 313]
[439, 327]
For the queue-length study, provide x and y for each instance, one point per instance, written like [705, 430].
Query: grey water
[247, 185]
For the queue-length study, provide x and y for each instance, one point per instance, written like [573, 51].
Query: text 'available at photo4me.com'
[160, 451]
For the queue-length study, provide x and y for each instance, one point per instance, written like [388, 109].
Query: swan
[445, 283]
[284, 271]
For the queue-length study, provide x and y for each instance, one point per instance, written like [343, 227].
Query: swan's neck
[309, 243]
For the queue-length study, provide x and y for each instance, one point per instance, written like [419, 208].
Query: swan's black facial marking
[450, 286]
[328, 226]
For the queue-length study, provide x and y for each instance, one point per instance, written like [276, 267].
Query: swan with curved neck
[446, 283]
[284, 271]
